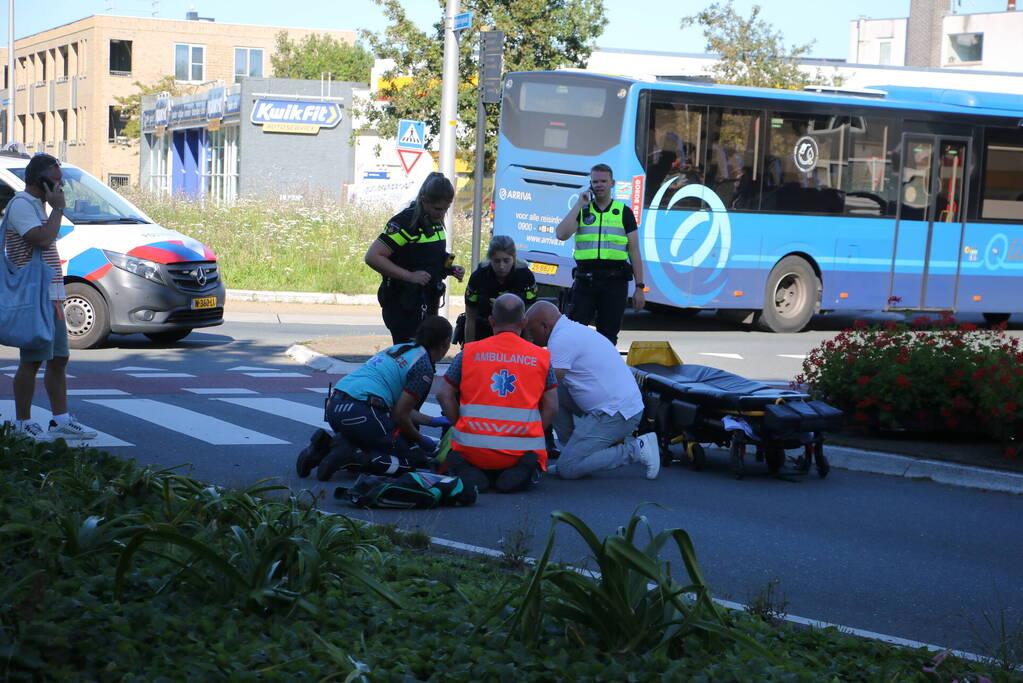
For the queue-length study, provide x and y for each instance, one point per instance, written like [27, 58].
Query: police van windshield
[563, 113]
[90, 201]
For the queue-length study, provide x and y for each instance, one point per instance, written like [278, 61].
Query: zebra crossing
[209, 417]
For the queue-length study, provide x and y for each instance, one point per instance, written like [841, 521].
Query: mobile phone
[45, 185]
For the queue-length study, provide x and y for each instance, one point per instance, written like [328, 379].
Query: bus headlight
[141, 267]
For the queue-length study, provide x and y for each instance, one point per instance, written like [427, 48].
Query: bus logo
[692, 246]
[806, 154]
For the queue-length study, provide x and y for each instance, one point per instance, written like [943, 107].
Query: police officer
[606, 256]
[411, 254]
[501, 273]
[376, 408]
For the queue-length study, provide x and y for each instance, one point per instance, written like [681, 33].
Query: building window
[188, 62]
[966, 47]
[884, 52]
[120, 57]
[220, 169]
[118, 180]
[248, 61]
[159, 163]
[115, 126]
[41, 60]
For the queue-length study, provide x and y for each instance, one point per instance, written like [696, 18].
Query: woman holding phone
[501, 273]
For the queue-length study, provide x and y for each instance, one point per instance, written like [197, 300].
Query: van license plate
[543, 268]
[205, 302]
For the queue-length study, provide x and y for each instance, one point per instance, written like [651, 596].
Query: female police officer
[501, 273]
[411, 254]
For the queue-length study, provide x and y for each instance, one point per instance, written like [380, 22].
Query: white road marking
[96, 392]
[797, 356]
[153, 375]
[733, 356]
[135, 368]
[291, 410]
[248, 368]
[227, 390]
[276, 374]
[318, 390]
[187, 422]
[42, 416]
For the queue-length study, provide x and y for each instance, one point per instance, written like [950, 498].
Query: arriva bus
[772, 205]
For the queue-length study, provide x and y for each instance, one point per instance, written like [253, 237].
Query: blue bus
[773, 205]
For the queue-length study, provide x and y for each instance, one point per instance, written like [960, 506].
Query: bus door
[929, 228]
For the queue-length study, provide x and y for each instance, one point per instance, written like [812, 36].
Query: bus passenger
[376, 408]
[501, 273]
[606, 256]
[411, 254]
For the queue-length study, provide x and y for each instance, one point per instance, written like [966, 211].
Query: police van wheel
[86, 315]
[790, 297]
[170, 336]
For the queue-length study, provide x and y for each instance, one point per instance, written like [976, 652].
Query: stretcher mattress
[711, 387]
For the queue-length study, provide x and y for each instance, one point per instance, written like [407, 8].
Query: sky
[633, 24]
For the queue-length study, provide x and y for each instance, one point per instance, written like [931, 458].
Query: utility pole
[449, 115]
[10, 71]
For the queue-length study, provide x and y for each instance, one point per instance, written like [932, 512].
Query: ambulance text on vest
[506, 358]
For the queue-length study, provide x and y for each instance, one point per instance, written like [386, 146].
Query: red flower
[860, 324]
[860, 416]
[1011, 452]
[886, 406]
[1009, 407]
[951, 422]
[968, 327]
[892, 300]
[902, 381]
[863, 380]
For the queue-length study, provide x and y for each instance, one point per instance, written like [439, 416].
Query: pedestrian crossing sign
[411, 134]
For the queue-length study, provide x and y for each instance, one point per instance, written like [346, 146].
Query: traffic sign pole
[449, 114]
[490, 57]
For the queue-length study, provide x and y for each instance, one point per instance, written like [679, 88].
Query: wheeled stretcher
[692, 405]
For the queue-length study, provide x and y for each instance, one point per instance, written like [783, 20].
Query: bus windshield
[579, 115]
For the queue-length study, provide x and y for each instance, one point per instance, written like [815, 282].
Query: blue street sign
[463, 21]
[411, 134]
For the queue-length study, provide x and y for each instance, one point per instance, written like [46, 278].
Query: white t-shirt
[20, 217]
[597, 378]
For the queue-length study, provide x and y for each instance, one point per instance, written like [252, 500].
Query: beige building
[67, 78]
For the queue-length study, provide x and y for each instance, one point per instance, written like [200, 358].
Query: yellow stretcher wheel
[696, 455]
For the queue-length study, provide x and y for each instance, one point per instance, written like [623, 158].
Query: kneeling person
[501, 393]
[376, 408]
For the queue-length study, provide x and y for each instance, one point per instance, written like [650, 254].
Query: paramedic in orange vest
[501, 394]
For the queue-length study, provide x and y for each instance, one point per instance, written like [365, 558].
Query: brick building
[66, 79]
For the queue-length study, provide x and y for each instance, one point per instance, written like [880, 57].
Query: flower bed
[930, 375]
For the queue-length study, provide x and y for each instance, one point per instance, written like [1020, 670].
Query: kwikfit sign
[294, 116]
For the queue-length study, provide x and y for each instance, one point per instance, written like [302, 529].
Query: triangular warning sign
[408, 158]
[411, 138]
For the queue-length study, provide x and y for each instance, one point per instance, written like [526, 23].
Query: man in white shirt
[599, 402]
[28, 228]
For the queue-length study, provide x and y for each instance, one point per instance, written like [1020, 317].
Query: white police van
[123, 273]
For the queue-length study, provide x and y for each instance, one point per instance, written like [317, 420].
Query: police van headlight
[141, 267]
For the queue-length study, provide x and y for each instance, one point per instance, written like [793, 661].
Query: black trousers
[403, 313]
[604, 298]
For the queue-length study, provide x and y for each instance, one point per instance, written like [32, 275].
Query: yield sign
[408, 158]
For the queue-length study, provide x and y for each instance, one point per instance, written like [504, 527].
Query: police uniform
[602, 271]
[414, 247]
[484, 287]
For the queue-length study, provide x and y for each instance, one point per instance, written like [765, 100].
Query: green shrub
[273, 245]
[931, 375]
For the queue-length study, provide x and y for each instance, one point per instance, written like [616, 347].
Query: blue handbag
[26, 312]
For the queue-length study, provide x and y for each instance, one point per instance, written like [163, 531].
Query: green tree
[752, 51]
[539, 35]
[131, 105]
[317, 54]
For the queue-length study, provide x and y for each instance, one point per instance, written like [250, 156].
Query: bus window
[803, 164]
[675, 152]
[916, 181]
[733, 141]
[563, 113]
[867, 176]
[1003, 175]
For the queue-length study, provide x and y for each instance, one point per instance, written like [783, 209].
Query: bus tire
[790, 296]
[86, 315]
[996, 318]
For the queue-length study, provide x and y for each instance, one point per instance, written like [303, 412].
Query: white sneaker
[649, 454]
[70, 430]
[33, 431]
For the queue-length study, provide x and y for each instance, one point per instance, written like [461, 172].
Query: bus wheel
[86, 316]
[790, 297]
[996, 318]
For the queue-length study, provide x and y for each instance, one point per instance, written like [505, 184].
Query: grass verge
[111, 571]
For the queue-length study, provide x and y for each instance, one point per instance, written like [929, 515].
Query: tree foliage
[752, 51]
[131, 105]
[539, 35]
[317, 54]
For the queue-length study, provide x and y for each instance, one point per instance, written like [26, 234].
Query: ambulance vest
[503, 379]
[382, 376]
[601, 236]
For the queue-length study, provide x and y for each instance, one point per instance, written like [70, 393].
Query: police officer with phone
[606, 256]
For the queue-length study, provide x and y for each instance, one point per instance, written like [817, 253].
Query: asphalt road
[907, 558]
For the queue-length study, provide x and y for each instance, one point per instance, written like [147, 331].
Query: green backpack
[420, 490]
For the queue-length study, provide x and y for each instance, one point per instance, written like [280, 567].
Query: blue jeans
[591, 442]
